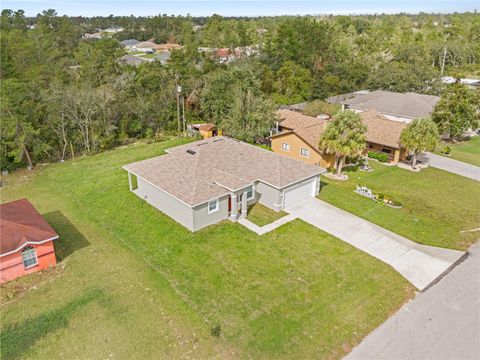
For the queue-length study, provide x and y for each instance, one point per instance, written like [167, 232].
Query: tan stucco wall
[295, 144]
[396, 155]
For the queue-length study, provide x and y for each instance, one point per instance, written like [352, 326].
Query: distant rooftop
[409, 105]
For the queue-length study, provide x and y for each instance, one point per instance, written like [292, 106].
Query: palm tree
[344, 136]
[420, 135]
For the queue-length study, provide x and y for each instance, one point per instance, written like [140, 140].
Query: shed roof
[216, 166]
[22, 224]
[409, 105]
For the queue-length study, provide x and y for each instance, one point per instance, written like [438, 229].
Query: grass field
[134, 284]
[467, 151]
[437, 205]
[262, 215]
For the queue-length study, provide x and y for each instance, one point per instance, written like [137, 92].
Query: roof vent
[191, 152]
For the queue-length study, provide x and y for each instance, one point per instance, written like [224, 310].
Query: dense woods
[62, 94]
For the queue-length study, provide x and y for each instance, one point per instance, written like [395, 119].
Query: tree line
[62, 95]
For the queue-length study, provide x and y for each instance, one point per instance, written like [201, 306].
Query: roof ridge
[3, 221]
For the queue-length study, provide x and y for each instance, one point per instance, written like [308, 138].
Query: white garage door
[298, 192]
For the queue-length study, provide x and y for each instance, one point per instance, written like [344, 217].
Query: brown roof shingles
[21, 223]
[380, 130]
[218, 166]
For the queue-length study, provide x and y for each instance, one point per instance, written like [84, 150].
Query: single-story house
[163, 57]
[147, 46]
[207, 181]
[129, 44]
[394, 106]
[205, 130]
[26, 242]
[299, 135]
[132, 60]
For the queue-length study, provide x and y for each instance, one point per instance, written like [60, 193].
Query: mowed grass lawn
[262, 215]
[467, 151]
[437, 206]
[132, 283]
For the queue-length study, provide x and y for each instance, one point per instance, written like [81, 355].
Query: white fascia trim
[30, 243]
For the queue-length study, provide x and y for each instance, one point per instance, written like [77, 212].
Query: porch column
[130, 181]
[396, 157]
[233, 210]
[244, 204]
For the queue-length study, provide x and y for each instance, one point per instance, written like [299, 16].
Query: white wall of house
[166, 203]
[302, 190]
[269, 196]
[202, 218]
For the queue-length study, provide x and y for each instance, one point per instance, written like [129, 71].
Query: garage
[299, 192]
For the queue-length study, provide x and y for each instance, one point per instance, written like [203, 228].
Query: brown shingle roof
[22, 224]
[219, 165]
[207, 127]
[293, 120]
[380, 130]
[410, 105]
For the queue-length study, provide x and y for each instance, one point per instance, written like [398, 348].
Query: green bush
[446, 150]
[382, 157]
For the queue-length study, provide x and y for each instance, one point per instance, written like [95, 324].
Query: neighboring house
[113, 30]
[161, 48]
[205, 130]
[132, 60]
[299, 135]
[26, 243]
[88, 36]
[129, 44]
[146, 46]
[472, 83]
[207, 181]
[394, 106]
[163, 57]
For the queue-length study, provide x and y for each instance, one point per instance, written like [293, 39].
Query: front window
[213, 206]
[250, 193]
[285, 147]
[29, 257]
[305, 152]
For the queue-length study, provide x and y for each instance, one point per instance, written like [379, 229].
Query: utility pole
[178, 90]
[444, 58]
[183, 112]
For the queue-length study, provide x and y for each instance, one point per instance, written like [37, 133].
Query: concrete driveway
[419, 264]
[453, 166]
[441, 323]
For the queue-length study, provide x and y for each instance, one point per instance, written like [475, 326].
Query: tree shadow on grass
[17, 339]
[70, 239]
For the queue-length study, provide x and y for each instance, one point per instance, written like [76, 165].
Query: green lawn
[262, 215]
[437, 205]
[467, 151]
[132, 283]
[148, 56]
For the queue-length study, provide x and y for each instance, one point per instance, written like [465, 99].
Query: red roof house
[26, 240]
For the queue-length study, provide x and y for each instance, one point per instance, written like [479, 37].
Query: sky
[238, 8]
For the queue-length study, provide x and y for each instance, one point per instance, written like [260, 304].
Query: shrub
[446, 150]
[215, 331]
[382, 157]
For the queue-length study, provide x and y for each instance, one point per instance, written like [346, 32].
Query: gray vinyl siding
[268, 195]
[166, 203]
[202, 218]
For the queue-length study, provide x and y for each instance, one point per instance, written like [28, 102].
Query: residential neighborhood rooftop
[22, 224]
[206, 169]
[410, 105]
[380, 130]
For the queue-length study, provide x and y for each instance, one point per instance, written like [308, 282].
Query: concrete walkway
[260, 230]
[451, 165]
[441, 323]
[419, 264]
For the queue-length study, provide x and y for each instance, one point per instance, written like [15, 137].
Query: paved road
[419, 264]
[441, 323]
[453, 166]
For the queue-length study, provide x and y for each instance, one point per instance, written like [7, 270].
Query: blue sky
[238, 8]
